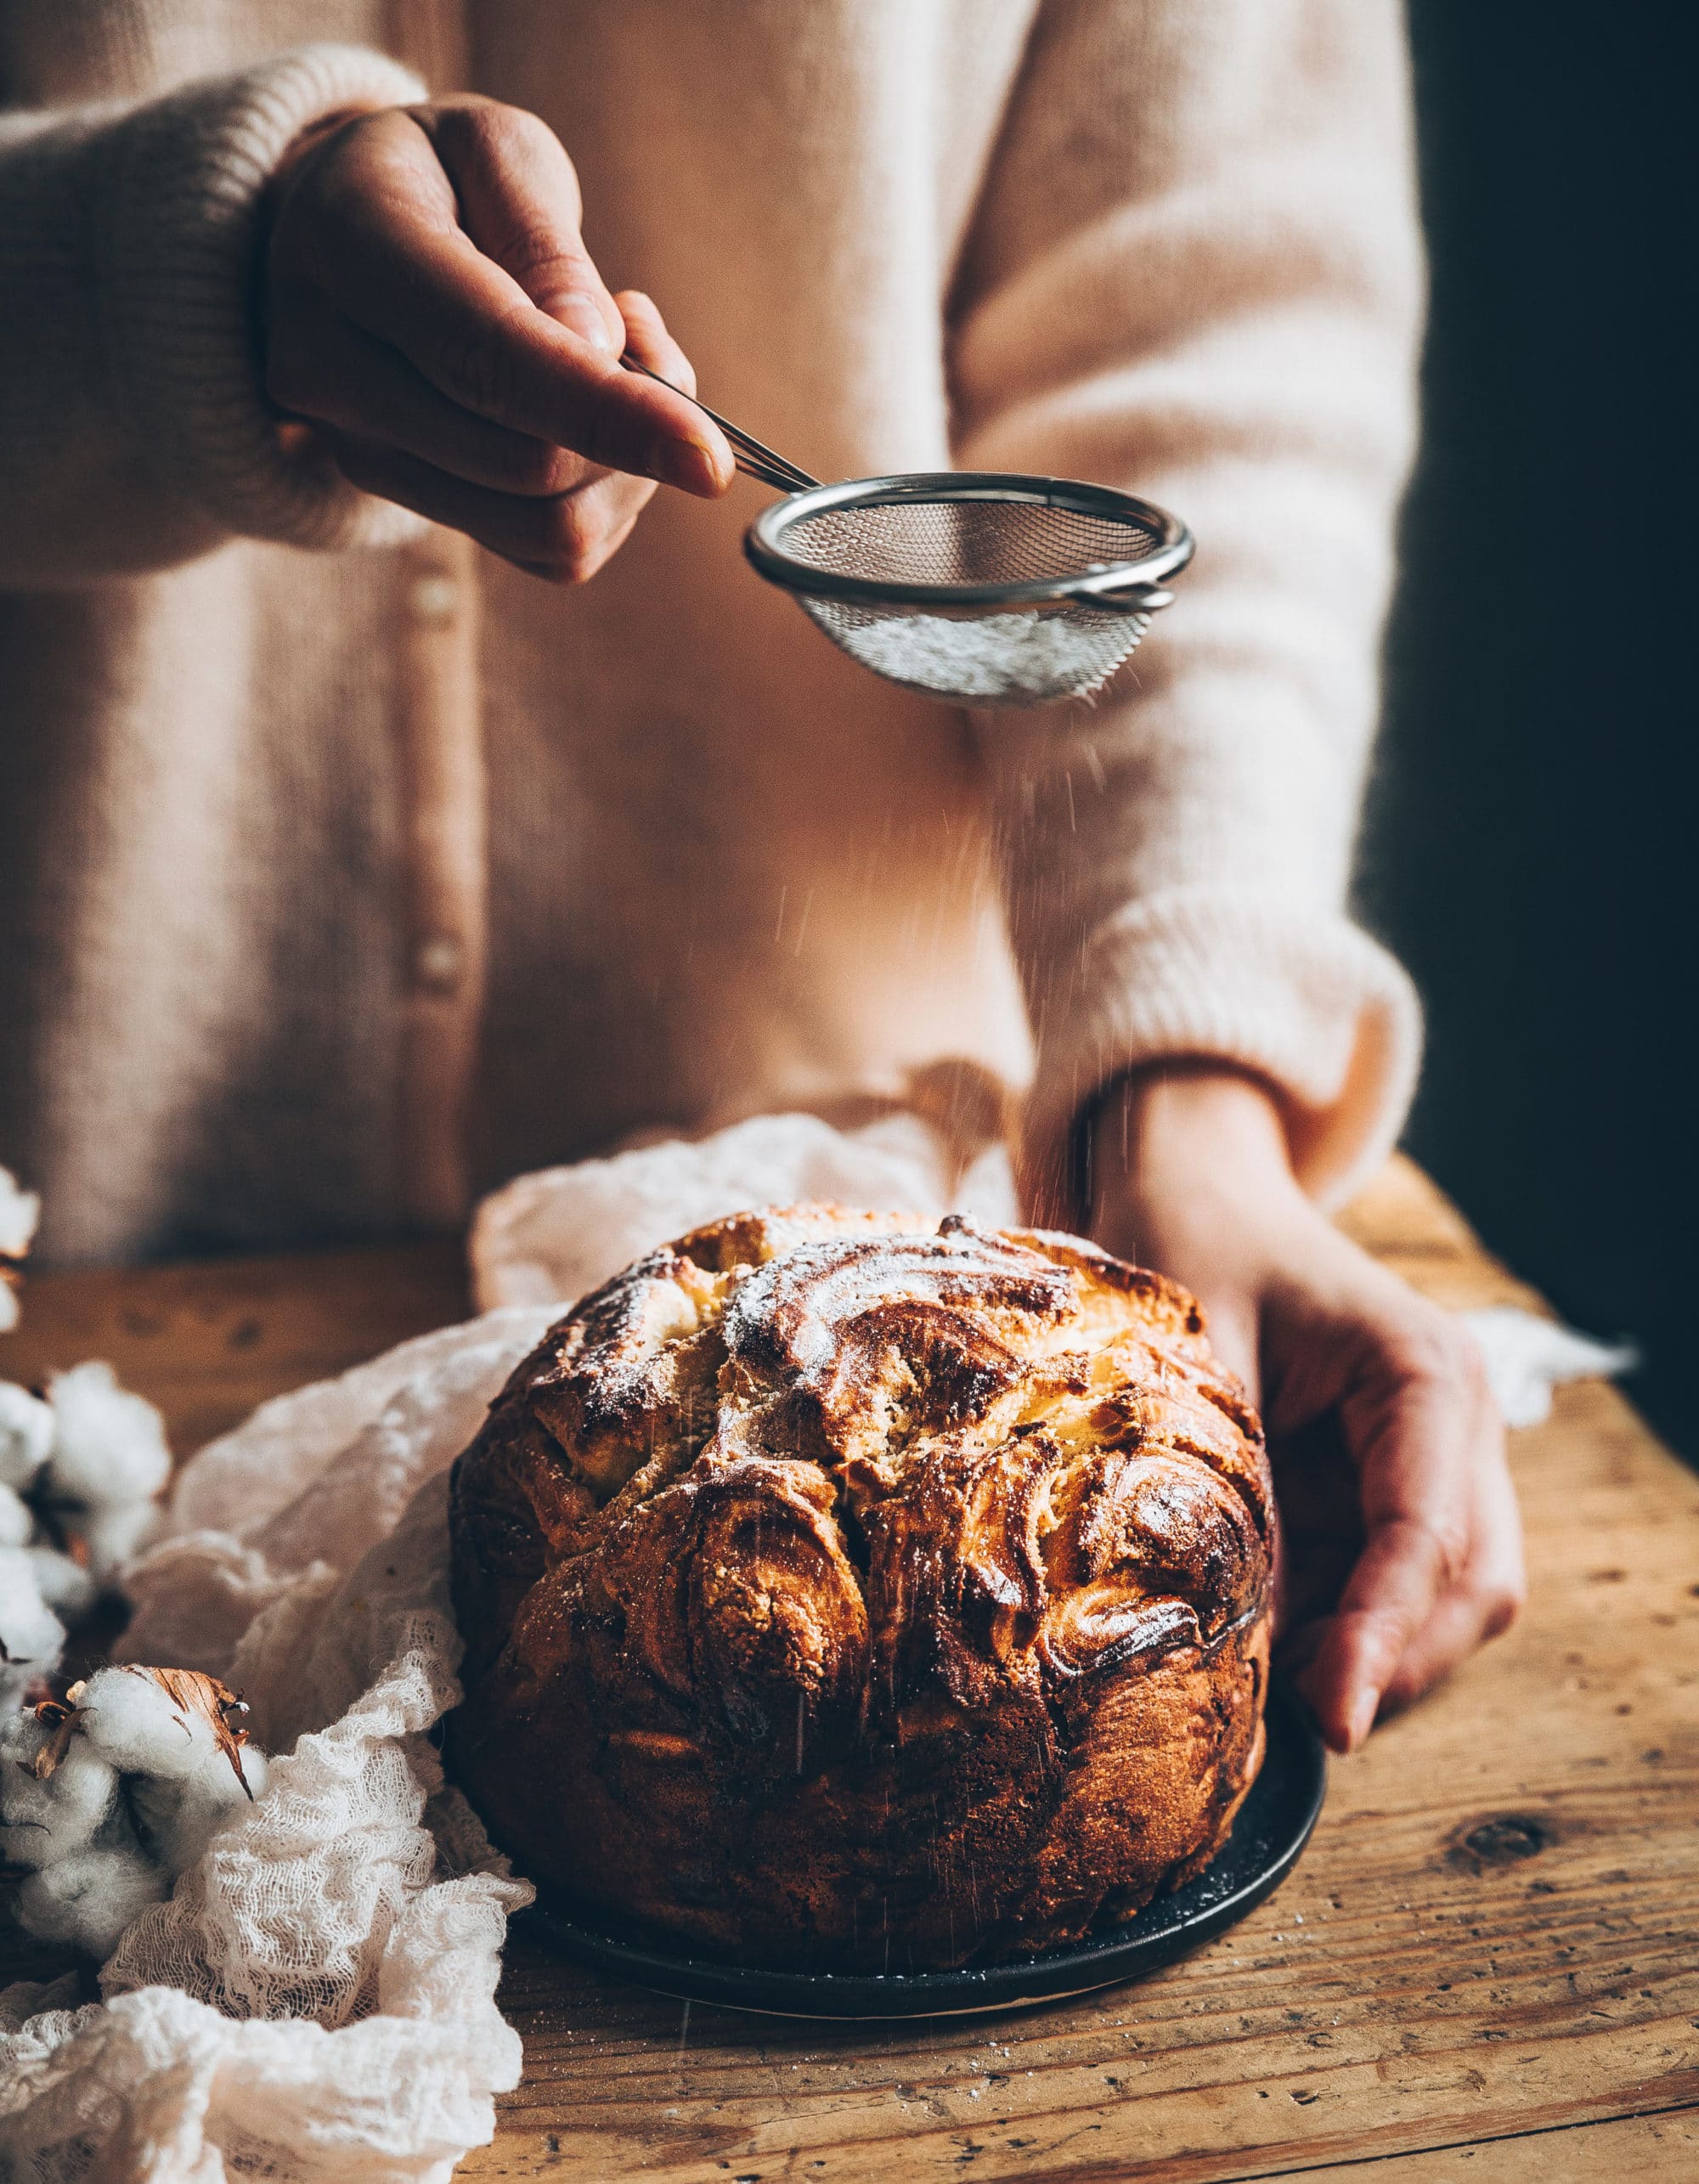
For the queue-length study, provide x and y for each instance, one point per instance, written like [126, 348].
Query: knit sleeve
[1195, 273]
[134, 432]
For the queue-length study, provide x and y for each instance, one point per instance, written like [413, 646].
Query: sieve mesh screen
[964, 541]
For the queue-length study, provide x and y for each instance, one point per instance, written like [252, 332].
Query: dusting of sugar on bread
[845, 1592]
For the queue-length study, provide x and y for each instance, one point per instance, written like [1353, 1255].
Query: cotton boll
[115, 1532]
[176, 1820]
[27, 1435]
[109, 1445]
[21, 1737]
[20, 1211]
[64, 1585]
[41, 1822]
[17, 1521]
[109, 1793]
[15, 1683]
[89, 1898]
[167, 1723]
[31, 1636]
[133, 1722]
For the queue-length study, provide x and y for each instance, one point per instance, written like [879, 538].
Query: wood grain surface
[1485, 1966]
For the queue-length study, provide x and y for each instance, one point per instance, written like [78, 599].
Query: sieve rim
[1130, 583]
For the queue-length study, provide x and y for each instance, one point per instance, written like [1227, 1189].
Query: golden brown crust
[841, 1595]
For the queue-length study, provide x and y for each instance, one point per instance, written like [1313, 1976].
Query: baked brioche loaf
[841, 1595]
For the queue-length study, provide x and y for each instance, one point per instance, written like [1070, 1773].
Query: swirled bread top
[877, 1459]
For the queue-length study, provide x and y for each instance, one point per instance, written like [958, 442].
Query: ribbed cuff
[176, 232]
[1301, 998]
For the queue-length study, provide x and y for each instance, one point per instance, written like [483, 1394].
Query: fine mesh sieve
[986, 588]
[991, 589]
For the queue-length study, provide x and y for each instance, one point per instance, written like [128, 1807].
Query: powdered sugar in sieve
[996, 659]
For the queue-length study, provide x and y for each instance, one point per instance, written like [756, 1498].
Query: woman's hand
[1402, 1543]
[428, 307]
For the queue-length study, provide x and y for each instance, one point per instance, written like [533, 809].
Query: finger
[1320, 1536]
[397, 266]
[338, 375]
[519, 201]
[646, 339]
[1452, 1633]
[1393, 1593]
[1297, 1646]
[566, 539]
[1355, 1659]
[1486, 1603]
[1504, 1562]
[1413, 1430]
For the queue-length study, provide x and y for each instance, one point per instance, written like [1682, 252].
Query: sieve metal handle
[752, 456]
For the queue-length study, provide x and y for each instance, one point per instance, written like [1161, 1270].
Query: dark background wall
[1533, 845]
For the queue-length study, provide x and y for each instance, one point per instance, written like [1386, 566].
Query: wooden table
[1486, 1965]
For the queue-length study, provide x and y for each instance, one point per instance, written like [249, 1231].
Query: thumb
[520, 204]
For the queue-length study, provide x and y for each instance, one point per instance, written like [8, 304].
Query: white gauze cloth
[315, 2002]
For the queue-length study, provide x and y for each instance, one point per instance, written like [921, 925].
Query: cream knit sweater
[1165, 244]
